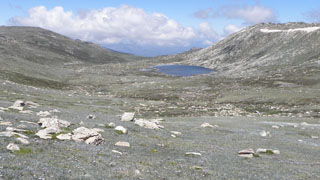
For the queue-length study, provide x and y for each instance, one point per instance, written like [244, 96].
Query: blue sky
[152, 28]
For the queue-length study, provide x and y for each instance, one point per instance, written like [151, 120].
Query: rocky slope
[264, 48]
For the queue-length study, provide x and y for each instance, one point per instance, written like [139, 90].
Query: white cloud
[250, 14]
[207, 33]
[230, 28]
[125, 25]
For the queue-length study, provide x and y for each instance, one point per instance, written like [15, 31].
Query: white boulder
[122, 144]
[128, 116]
[121, 130]
[18, 105]
[13, 147]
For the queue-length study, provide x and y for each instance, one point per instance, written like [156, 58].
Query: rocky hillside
[35, 56]
[264, 48]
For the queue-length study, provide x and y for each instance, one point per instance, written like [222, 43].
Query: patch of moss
[23, 151]
[29, 132]
[153, 151]
[269, 152]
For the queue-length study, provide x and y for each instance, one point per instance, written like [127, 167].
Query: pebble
[206, 125]
[121, 130]
[122, 144]
[315, 137]
[275, 127]
[193, 154]
[111, 125]
[117, 152]
[177, 133]
[247, 153]
[265, 133]
[13, 147]
[15, 129]
[90, 116]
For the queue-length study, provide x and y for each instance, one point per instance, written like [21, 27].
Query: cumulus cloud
[207, 33]
[250, 14]
[231, 28]
[203, 13]
[125, 25]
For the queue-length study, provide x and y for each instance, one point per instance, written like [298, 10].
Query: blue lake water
[182, 70]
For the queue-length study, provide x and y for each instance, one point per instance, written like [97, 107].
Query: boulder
[13, 147]
[90, 136]
[10, 134]
[265, 133]
[47, 132]
[122, 144]
[149, 124]
[121, 130]
[176, 133]
[15, 129]
[128, 116]
[49, 122]
[18, 105]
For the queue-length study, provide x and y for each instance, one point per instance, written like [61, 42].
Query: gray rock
[10, 134]
[26, 112]
[18, 105]
[90, 136]
[13, 147]
[23, 141]
[43, 113]
[206, 125]
[117, 152]
[15, 129]
[49, 122]
[31, 104]
[176, 133]
[90, 116]
[122, 144]
[192, 154]
[128, 116]
[247, 153]
[270, 151]
[265, 133]
[111, 125]
[64, 136]
[47, 132]
[121, 130]
[149, 124]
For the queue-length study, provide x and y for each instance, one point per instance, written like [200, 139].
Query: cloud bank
[121, 26]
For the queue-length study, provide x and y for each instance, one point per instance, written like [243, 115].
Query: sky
[157, 27]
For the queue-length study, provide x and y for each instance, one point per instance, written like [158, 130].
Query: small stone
[90, 116]
[64, 136]
[246, 151]
[23, 141]
[111, 125]
[137, 172]
[43, 113]
[121, 130]
[315, 137]
[13, 147]
[276, 151]
[177, 133]
[268, 151]
[192, 154]
[174, 136]
[4, 123]
[275, 127]
[122, 144]
[21, 126]
[265, 133]
[128, 116]
[31, 104]
[206, 125]
[55, 111]
[246, 155]
[49, 122]
[117, 152]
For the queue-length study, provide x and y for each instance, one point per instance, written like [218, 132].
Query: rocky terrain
[73, 110]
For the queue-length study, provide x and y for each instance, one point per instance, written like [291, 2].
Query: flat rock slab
[122, 144]
[128, 116]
